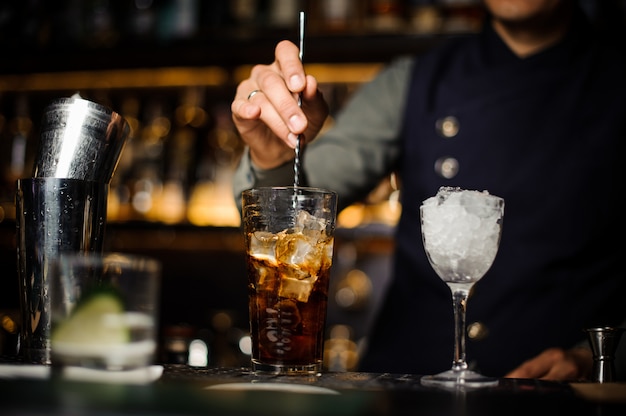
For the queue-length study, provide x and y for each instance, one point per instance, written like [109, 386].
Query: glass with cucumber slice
[98, 318]
[104, 310]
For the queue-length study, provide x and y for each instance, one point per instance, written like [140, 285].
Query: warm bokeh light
[212, 204]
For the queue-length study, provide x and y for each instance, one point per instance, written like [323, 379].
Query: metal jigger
[63, 207]
[604, 342]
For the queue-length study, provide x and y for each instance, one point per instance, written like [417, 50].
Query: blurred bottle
[336, 16]
[386, 15]
[176, 341]
[141, 20]
[340, 351]
[245, 15]
[145, 179]
[461, 15]
[284, 13]
[101, 29]
[211, 201]
[225, 342]
[178, 19]
[17, 147]
[9, 332]
[353, 289]
[5, 159]
[426, 16]
[180, 157]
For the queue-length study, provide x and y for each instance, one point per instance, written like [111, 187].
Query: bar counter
[184, 390]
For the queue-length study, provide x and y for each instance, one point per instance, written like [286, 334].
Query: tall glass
[289, 236]
[461, 232]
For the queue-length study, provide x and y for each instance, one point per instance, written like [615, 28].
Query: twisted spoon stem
[297, 161]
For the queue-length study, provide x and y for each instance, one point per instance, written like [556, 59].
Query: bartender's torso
[547, 134]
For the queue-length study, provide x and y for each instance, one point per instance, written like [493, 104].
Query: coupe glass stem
[459, 300]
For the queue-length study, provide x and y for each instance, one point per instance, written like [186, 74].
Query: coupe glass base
[455, 379]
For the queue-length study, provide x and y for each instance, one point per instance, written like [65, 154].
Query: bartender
[532, 109]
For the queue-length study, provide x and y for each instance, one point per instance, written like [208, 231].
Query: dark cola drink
[288, 303]
[288, 279]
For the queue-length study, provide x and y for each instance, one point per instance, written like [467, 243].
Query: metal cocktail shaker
[63, 207]
[80, 139]
[53, 215]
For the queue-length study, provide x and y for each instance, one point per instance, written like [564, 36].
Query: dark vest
[547, 134]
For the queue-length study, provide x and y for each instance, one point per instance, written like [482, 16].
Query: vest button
[447, 127]
[477, 331]
[447, 167]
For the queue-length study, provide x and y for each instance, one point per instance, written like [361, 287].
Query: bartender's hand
[557, 364]
[265, 108]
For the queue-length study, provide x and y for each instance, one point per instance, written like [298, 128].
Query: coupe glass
[461, 232]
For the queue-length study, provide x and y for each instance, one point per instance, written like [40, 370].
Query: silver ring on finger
[253, 93]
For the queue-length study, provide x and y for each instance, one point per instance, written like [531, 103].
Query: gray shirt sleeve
[359, 149]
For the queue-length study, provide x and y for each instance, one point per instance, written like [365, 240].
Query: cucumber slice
[99, 319]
